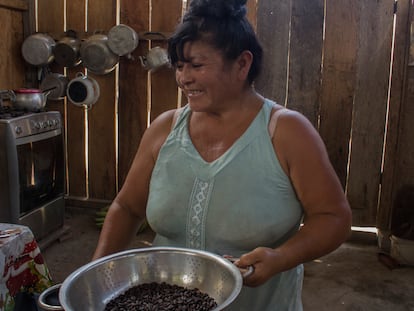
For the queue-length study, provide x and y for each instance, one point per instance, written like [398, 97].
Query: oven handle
[37, 137]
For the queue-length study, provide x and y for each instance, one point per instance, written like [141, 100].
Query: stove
[32, 170]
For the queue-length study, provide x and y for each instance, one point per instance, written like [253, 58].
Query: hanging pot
[155, 58]
[67, 50]
[56, 83]
[37, 49]
[97, 56]
[122, 39]
[83, 91]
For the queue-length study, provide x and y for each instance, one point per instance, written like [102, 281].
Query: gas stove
[32, 170]
[22, 124]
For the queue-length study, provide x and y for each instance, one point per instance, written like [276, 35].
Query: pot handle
[245, 272]
[42, 300]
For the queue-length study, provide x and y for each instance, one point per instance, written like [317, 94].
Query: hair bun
[218, 8]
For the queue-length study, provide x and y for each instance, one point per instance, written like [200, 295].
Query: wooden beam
[19, 5]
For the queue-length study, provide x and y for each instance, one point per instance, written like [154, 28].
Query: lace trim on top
[197, 212]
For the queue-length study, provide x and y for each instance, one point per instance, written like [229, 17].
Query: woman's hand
[266, 263]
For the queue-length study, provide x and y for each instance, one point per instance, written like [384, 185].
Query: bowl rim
[130, 252]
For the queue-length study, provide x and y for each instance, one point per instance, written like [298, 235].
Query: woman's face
[205, 78]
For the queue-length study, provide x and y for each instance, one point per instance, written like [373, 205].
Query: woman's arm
[327, 219]
[128, 208]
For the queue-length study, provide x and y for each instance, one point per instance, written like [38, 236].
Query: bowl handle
[245, 272]
[42, 301]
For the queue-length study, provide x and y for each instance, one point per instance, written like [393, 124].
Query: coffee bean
[161, 297]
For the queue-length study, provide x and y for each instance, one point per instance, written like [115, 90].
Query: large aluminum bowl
[92, 286]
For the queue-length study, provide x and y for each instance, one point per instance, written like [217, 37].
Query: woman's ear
[244, 63]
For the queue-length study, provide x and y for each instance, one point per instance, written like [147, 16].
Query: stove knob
[18, 130]
[35, 125]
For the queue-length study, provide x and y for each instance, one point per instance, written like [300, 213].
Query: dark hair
[221, 23]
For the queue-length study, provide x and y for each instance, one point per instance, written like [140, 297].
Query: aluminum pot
[122, 39]
[83, 91]
[29, 99]
[37, 49]
[96, 55]
[67, 50]
[155, 58]
[57, 84]
[93, 285]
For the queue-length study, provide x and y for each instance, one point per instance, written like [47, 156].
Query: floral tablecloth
[24, 273]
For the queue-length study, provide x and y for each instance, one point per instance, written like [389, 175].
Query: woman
[232, 172]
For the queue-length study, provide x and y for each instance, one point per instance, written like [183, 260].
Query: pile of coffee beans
[161, 297]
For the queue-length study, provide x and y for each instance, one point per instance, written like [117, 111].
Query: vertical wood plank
[305, 57]
[370, 107]
[101, 118]
[403, 180]
[165, 17]
[12, 68]
[338, 80]
[76, 130]
[54, 26]
[251, 6]
[273, 27]
[133, 92]
[50, 16]
[391, 176]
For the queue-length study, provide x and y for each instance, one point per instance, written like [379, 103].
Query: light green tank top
[230, 206]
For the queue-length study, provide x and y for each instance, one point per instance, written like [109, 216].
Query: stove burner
[7, 112]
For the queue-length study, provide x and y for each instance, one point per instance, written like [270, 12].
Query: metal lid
[27, 91]
[122, 39]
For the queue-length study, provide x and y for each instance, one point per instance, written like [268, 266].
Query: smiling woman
[211, 176]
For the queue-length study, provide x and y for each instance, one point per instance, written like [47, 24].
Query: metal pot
[97, 56]
[155, 58]
[122, 39]
[83, 91]
[29, 99]
[67, 50]
[92, 286]
[57, 83]
[37, 49]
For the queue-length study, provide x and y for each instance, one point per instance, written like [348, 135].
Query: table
[24, 274]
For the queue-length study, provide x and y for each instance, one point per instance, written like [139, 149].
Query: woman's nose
[183, 76]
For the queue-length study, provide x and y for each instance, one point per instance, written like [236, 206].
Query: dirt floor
[352, 278]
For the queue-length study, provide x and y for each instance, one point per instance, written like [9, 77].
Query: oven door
[41, 169]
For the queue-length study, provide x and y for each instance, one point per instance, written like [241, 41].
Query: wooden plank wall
[12, 67]
[329, 60]
[335, 69]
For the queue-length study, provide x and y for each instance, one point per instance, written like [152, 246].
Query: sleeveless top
[229, 206]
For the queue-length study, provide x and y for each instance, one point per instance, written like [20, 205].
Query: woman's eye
[196, 65]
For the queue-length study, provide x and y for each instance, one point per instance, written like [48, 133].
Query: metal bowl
[92, 286]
